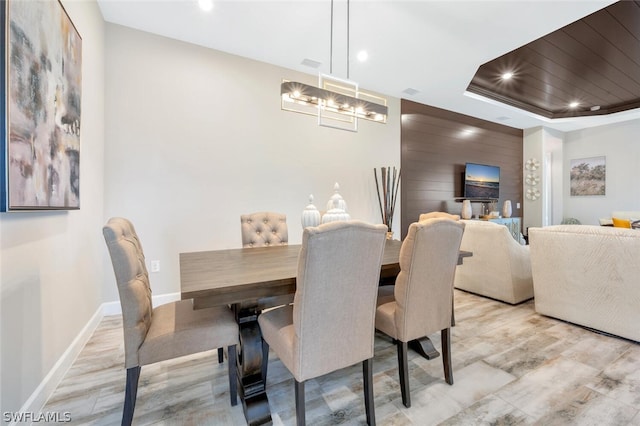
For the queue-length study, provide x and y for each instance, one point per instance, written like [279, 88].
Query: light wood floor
[511, 367]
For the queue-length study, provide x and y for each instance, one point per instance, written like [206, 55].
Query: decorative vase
[310, 214]
[336, 200]
[335, 214]
[466, 212]
[336, 207]
[506, 209]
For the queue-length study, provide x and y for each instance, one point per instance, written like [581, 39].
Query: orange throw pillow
[621, 223]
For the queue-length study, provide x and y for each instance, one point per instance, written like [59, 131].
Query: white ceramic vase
[335, 214]
[467, 211]
[310, 214]
[336, 200]
[336, 207]
[506, 209]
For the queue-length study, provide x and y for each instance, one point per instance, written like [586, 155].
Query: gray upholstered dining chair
[330, 325]
[167, 331]
[264, 229]
[421, 301]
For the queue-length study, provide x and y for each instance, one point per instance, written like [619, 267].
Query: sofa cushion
[621, 223]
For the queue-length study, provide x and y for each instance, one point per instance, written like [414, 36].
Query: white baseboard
[45, 389]
[51, 381]
[114, 308]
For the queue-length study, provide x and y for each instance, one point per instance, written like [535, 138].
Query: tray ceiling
[594, 62]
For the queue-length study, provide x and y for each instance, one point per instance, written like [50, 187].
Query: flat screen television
[481, 181]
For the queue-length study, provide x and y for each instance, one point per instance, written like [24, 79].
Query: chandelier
[336, 102]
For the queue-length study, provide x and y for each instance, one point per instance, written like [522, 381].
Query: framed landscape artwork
[588, 176]
[42, 70]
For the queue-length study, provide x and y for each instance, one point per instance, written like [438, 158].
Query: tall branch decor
[387, 188]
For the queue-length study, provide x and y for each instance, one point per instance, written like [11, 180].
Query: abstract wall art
[42, 66]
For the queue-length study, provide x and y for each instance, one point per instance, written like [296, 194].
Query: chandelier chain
[331, 42]
[331, 38]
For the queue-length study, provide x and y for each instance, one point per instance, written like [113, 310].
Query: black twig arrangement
[387, 190]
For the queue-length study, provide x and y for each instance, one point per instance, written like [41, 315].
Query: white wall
[51, 263]
[552, 173]
[619, 144]
[196, 137]
[545, 146]
[533, 211]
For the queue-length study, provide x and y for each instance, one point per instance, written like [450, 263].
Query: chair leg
[130, 393]
[265, 361]
[403, 370]
[233, 380]
[367, 375]
[300, 411]
[220, 355]
[446, 355]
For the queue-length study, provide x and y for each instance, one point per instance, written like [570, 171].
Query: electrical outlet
[155, 266]
[517, 205]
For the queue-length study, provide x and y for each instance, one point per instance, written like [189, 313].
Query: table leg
[252, 387]
[424, 347]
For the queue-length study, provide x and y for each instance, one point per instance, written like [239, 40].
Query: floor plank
[511, 367]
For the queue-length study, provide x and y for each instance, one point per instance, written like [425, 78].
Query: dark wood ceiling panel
[607, 56]
[620, 16]
[626, 12]
[584, 79]
[595, 61]
[536, 82]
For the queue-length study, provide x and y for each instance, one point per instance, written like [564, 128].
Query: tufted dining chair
[421, 301]
[264, 229]
[330, 325]
[167, 331]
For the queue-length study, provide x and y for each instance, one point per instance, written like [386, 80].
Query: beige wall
[182, 140]
[51, 264]
[196, 137]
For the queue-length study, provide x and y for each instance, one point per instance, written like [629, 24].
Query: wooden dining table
[253, 279]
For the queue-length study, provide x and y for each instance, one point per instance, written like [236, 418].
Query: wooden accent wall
[435, 146]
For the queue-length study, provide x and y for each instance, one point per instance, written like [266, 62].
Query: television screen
[481, 181]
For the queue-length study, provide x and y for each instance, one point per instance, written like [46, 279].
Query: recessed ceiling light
[206, 5]
[574, 104]
[411, 91]
[507, 75]
[595, 108]
[362, 55]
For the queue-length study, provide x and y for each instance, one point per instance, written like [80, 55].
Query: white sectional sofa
[499, 268]
[588, 275]
[628, 215]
